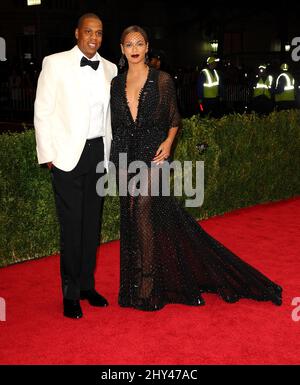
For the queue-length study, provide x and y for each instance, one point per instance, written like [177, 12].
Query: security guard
[208, 89]
[154, 60]
[285, 96]
[262, 101]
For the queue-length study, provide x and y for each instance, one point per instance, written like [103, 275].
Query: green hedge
[249, 160]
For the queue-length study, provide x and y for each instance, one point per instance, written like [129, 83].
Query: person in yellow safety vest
[285, 95]
[262, 100]
[208, 89]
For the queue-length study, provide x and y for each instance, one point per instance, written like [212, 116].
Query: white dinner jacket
[61, 110]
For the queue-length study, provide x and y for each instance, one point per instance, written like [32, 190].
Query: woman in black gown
[166, 257]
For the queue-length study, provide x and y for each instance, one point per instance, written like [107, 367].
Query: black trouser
[285, 105]
[79, 213]
[212, 107]
[262, 104]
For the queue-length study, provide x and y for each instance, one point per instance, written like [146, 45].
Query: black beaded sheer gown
[166, 256]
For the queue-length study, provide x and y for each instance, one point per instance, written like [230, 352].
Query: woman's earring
[122, 61]
[146, 58]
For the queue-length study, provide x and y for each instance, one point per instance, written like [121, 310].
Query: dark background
[248, 34]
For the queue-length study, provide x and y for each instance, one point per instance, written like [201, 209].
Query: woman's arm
[164, 150]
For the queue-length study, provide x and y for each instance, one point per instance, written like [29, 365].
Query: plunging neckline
[139, 97]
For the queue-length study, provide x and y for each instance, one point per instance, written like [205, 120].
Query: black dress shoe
[72, 308]
[277, 300]
[94, 298]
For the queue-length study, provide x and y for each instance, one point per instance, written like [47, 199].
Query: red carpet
[247, 332]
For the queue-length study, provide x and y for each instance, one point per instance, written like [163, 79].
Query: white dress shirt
[94, 79]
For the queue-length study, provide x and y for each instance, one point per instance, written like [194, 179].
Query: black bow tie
[86, 62]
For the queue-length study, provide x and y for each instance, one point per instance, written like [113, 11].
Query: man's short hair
[89, 15]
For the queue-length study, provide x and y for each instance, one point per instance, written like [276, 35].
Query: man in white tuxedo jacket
[73, 134]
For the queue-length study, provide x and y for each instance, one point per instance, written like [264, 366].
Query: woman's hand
[163, 151]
